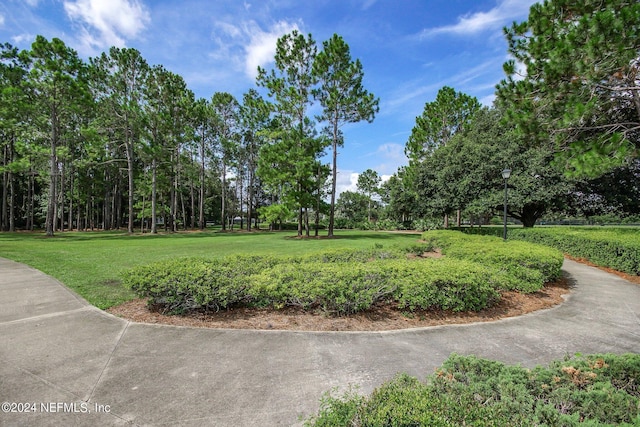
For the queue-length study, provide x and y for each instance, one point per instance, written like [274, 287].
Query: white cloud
[394, 157]
[1, 20]
[488, 100]
[246, 45]
[107, 23]
[261, 48]
[501, 14]
[23, 38]
[32, 3]
[347, 181]
[415, 91]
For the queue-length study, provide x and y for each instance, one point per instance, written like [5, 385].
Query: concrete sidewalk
[64, 362]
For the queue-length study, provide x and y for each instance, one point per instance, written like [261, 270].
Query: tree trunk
[70, 215]
[192, 196]
[30, 201]
[334, 174]
[154, 219]
[223, 216]
[193, 206]
[53, 168]
[241, 199]
[142, 216]
[317, 218]
[79, 224]
[12, 189]
[129, 149]
[201, 222]
[184, 212]
[5, 190]
[61, 193]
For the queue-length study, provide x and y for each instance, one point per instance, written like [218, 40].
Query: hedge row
[526, 266]
[344, 288]
[338, 282]
[614, 248]
[585, 390]
[340, 288]
[617, 248]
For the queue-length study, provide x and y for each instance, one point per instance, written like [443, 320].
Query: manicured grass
[91, 263]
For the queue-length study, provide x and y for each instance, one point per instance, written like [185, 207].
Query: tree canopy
[574, 82]
[343, 99]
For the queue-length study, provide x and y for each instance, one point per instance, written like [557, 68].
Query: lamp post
[506, 173]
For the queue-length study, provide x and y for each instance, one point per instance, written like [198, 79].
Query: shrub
[466, 390]
[344, 281]
[425, 224]
[336, 288]
[343, 223]
[181, 285]
[388, 224]
[456, 285]
[526, 266]
[354, 255]
[617, 248]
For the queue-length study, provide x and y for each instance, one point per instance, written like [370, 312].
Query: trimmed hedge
[185, 284]
[527, 267]
[591, 390]
[338, 282]
[615, 248]
[342, 288]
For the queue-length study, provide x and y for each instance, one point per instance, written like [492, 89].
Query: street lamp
[506, 173]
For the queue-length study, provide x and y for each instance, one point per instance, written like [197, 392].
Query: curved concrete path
[77, 365]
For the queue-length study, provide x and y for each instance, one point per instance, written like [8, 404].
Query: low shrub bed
[592, 390]
[617, 248]
[338, 282]
[346, 288]
[526, 266]
[608, 247]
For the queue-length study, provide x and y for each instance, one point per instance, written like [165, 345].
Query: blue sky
[409, 49]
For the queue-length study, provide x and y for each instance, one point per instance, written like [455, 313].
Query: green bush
[344, 281]
[527, 267]
[344, 223]
[466, 390]
[185, 284]
[456, 285]
[336, 288]
[617, 248]
[613, 247]
[355, 255]
[425, 224]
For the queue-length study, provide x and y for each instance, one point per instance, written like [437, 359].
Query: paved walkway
[77, 365]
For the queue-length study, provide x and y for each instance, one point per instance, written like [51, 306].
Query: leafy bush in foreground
[466, 390]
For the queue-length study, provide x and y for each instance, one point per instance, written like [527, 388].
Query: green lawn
[91, 262]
